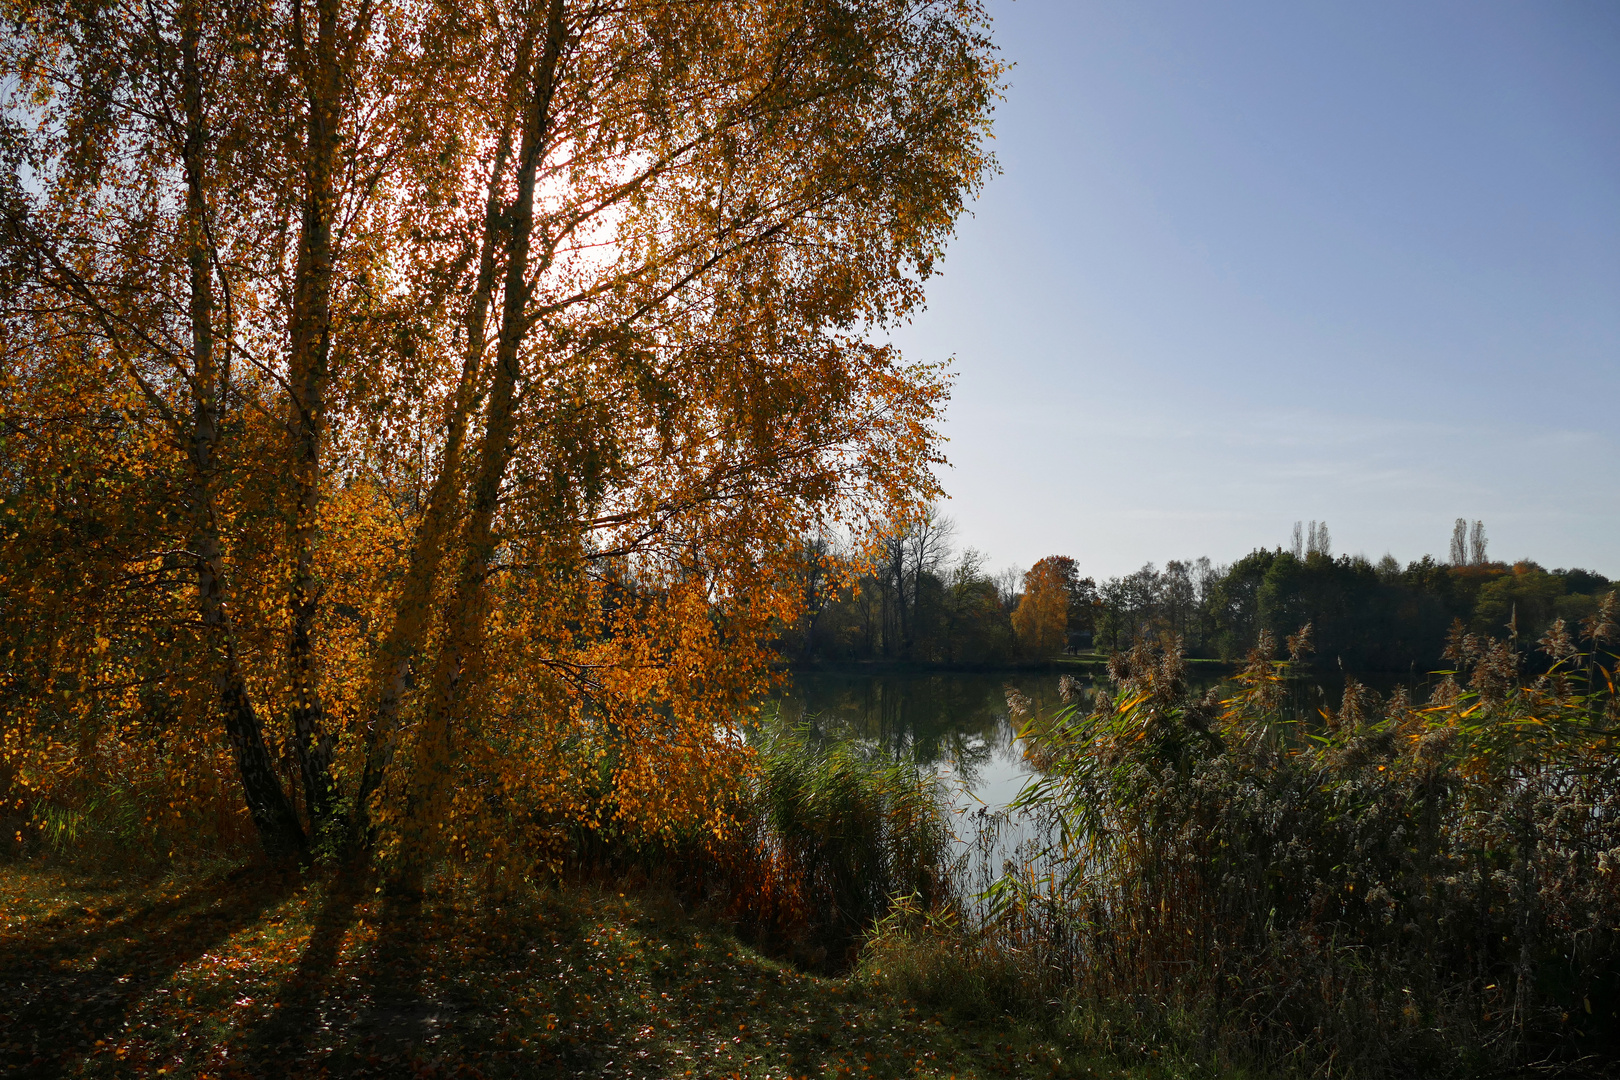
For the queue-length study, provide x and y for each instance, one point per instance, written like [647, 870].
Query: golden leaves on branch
[392, 369]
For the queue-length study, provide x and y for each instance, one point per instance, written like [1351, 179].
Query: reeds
[806, 852]
[1384, 889]
[116, 805]
[846, 834]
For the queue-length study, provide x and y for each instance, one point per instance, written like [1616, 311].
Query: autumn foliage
[407, 411]
[1041, 619]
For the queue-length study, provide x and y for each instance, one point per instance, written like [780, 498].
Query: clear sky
[1251, 262]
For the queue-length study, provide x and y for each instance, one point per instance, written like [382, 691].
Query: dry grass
[1384, 890]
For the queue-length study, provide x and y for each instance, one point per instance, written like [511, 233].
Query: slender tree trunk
[390, 675]
[464, 620]
[272, 813]
[309, 369]
[897, 569]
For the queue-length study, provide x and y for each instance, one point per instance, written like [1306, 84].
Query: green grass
[222, 973]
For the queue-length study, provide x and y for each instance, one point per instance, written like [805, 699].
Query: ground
[231, 972]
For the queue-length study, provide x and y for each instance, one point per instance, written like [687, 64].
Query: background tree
[822, 572]
[1318, 540]
[1459, 542]
[1367, 619]
[911, 554]
[976, 628]
[1178, 597]
[1083, 601]
[953, 615]
[1042, 618]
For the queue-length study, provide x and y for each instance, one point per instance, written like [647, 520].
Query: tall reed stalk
[847, 834]
[1385, 889]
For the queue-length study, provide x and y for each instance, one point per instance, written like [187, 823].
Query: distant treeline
[920, 601]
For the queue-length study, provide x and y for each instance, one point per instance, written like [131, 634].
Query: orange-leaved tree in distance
[409, 410]
[1041, 619]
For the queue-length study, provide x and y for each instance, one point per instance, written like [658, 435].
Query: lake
[954, 721]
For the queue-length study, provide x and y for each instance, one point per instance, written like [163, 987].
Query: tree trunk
[309, 369]
[390, 675]
[272, 813]
[464, 620]
[274, 817]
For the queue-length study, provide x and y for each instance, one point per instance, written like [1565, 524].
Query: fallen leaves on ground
[229, 973]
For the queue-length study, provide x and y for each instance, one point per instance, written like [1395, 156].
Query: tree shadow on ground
[301, 1017]
[385, 986]
[575, 980]
[65, 984]
[436, 991]
[373, 1007]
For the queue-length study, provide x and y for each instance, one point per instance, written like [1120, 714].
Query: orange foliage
[425, 446]
[1041, 620]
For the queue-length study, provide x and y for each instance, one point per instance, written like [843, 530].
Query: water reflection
[956, 722]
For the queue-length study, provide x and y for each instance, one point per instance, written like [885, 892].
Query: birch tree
[494, 353]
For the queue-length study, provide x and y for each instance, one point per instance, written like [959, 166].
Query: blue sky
[1249, 263]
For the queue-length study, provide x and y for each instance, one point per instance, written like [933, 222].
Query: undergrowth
[1386, 889]
[1196, 885]
[230, 972]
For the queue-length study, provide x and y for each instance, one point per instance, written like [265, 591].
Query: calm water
[957, 722]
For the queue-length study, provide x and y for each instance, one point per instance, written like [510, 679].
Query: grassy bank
[221, 973]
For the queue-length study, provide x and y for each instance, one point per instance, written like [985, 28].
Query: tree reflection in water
[955, 721]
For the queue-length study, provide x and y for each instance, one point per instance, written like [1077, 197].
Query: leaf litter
[225, 973]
